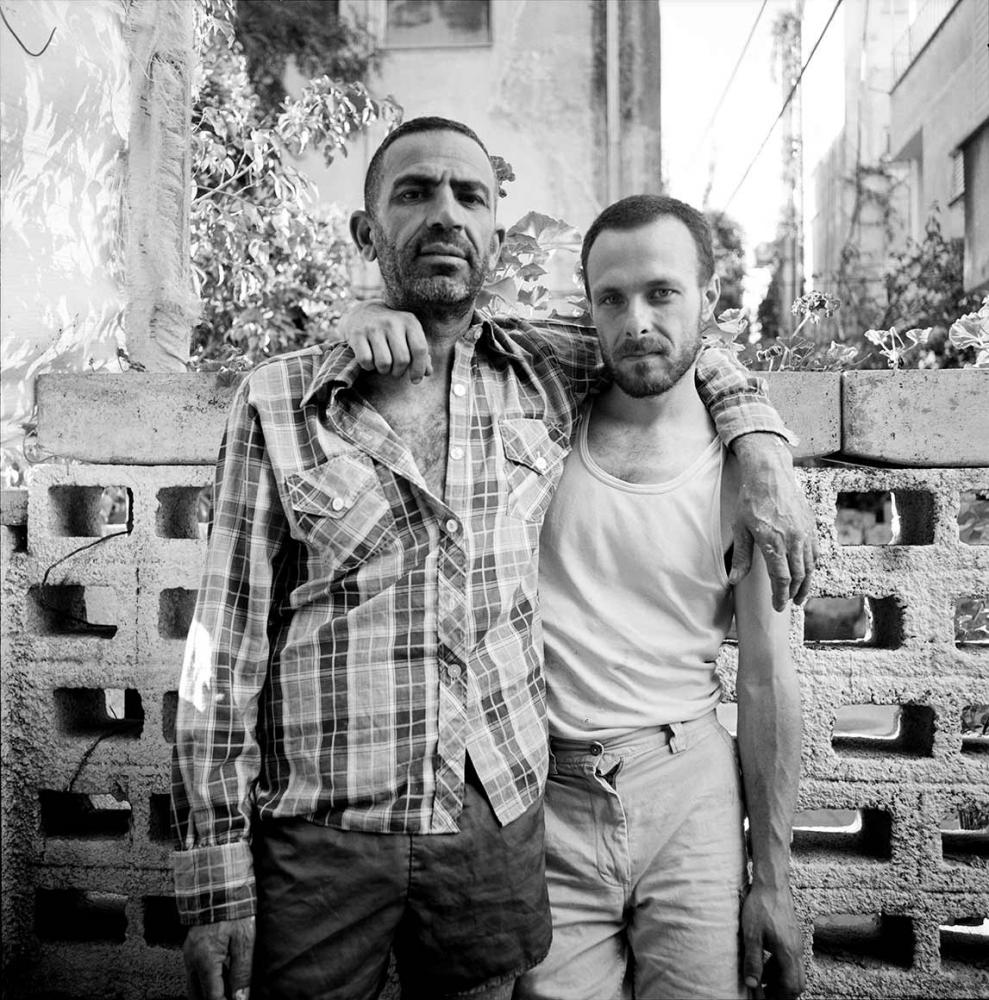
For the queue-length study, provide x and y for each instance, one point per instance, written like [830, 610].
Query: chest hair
[419, 417]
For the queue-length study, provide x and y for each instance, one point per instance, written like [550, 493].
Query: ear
[710, 295]
[494, 250]
[360, 233]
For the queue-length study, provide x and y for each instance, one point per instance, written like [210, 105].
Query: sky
[701, 43]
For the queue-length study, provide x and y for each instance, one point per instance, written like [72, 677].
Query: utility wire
[786, 104]
[731, 80]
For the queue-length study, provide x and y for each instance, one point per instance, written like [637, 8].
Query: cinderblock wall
[891, 847]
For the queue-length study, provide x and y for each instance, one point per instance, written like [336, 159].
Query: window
[427, 23]
[957, 177]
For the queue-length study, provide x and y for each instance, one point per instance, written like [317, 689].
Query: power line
[786, 104]
[731, 80]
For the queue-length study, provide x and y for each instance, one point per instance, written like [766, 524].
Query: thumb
[752, 969]
[741, 560]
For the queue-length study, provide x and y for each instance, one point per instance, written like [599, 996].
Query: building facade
[567, 92]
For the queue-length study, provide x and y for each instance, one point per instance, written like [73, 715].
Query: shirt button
[452, 526]
[456, 453]
[459, 389]
[453, 671]
[337, 503]
[541, 463]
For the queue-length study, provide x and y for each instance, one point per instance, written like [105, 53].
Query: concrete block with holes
[891, 841]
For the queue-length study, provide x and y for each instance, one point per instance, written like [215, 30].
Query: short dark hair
[431, 123]
[639, 210]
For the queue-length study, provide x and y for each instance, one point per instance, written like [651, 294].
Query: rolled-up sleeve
[736, 398]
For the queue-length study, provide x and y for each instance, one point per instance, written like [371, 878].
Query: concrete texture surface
[920, 418]
[87, 718]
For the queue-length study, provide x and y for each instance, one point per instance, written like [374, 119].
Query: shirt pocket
[534, 462]
[341, 510]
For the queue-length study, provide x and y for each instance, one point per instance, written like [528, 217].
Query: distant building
[916, 134]
[939, 123]
[567, 92]
[858, 195]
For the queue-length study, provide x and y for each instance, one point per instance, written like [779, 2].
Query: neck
[677, 408]
[442, 326]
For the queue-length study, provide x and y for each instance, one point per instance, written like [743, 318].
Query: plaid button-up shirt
[355, 635]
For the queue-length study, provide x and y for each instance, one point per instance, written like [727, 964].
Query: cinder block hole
[975, 729]
[973, 517]
[183, 511]
[965, 835]
[884, 729]
[965, 942]
[903, 517]
[160, 818]
[91, 511]
[865, 939]
[84, 815]
[972, 621]
[175, 610]
[99, 711]
[79, 915]
[727, 712]
[169, 709]
[72, 609]
[864, 833]
[860, 621]
[161, 922]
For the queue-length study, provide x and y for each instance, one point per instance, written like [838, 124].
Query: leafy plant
[272, 268]
[310, 32]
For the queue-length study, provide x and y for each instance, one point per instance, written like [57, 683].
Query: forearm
[769, 734]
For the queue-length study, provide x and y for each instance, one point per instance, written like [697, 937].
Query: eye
[469, 198]
[608, 299]
[410, 194]
[662, 294]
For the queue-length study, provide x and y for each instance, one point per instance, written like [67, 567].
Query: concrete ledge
[920, 418]
[810, 405]
[134, 418]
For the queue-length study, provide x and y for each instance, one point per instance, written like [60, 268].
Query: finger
[779, 574]
[795, 560]
[362, 353]
[741, 559]
[241, 957]
[752, 966]
[420, 364]
[789, 975]
[380, 350]
[804, 590]
[397, 346]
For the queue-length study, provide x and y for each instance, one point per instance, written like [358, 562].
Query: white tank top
[634, 596]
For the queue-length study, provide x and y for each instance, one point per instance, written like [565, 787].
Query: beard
[414, 284]
[648, 366]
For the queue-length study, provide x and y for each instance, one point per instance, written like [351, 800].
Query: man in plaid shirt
[361, 738]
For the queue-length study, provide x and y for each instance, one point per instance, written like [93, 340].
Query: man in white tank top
[646, 857]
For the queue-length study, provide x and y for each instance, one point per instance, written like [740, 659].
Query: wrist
[762, 448]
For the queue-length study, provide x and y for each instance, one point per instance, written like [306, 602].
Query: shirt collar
[339, 366]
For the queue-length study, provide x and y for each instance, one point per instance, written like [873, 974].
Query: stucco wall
[63, 141]
[88, 715]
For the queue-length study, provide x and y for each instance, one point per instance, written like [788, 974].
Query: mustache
[451, 245]
[637, 347]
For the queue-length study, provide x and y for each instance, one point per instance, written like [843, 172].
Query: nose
[444, 209]
[638, 319]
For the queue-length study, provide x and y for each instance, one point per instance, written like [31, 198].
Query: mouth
[445, 251]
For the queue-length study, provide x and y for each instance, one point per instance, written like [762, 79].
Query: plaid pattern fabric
[355, 635]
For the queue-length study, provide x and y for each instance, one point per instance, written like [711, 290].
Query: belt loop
[677, 740]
